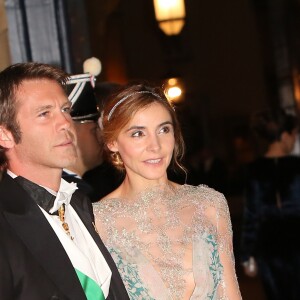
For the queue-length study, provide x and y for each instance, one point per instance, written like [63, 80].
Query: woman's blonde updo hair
[120, 109]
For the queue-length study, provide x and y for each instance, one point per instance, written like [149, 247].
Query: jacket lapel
[26, 218]
[88, 221]
[117, 289]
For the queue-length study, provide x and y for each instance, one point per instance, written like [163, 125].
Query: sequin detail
[172, 240]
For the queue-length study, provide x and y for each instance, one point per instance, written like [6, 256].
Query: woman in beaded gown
[169, 241]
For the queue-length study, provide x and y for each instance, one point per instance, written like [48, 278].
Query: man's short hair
[10, 80]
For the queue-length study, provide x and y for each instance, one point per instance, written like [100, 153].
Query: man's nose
[64, 120]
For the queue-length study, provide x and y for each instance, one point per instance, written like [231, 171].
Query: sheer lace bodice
[171, 243]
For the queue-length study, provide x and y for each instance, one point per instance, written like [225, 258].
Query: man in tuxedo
[49, 248]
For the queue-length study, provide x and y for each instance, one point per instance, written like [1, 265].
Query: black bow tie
[39, 194]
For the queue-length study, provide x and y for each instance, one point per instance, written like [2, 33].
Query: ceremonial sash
[91, 289]
[86, 269]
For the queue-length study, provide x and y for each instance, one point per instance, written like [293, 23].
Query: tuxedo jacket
[33, 262]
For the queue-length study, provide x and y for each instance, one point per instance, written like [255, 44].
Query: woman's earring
[117, 159]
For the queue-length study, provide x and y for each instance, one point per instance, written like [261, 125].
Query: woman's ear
[113, 146]
[6, 138]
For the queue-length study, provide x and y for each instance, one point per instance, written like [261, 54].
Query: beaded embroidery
[175, 234]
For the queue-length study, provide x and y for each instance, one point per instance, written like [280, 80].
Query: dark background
[234, 57]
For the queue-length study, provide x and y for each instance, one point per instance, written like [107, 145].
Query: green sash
[91, 289]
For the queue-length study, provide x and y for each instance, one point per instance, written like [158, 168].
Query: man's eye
[44, 114]
[67, 110]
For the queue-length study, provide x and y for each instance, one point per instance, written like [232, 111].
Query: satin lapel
[117, 289]
[26, 218]
[86, 218]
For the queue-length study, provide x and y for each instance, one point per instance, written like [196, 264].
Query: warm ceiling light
[173, 92]
[170, 15]
[174, 89]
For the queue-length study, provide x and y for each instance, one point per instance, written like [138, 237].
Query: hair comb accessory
[126, 97]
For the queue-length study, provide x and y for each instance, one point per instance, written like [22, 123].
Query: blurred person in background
[85, 114]
[270, 234]
[103, 178]
[206, 168]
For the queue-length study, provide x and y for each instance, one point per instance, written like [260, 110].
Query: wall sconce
[170, 15]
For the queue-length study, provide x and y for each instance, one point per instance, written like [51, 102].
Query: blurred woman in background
[270, 237]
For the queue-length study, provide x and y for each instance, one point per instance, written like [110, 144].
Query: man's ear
[6, 138]
[284, 136]
[112, 146]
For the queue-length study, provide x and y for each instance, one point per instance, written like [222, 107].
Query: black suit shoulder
[32, 256]
[22, 277]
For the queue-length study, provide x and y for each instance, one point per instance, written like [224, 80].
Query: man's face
[89, 147]
[48, 137]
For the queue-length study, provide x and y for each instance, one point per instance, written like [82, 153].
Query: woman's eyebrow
[135, 127]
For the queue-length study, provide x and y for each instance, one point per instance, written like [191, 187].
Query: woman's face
[146, 144]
